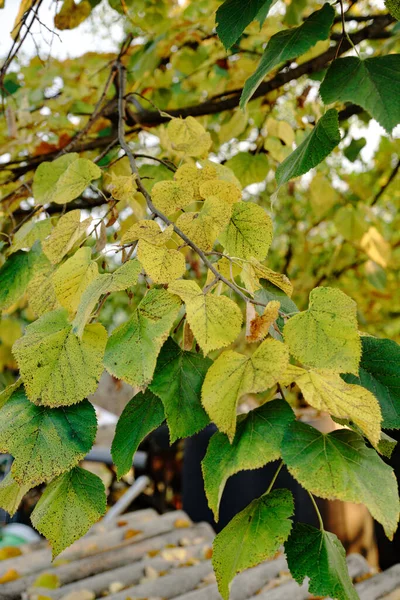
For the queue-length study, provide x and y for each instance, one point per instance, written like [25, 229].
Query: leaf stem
[271, 485]
[321, 523]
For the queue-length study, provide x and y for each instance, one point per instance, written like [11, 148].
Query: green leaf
[249, 233]
[270, 292]
[63, 179]
[316, 146]
[380, 374]
[339, 465]
[142, 414]
[253, 535]
[232, 375]
[369, 83]
[58, 368]
[326, 335]
[288, 44]
[214, 320]
[11, 494]
[177, 381]
[68, 508]
[133, 347]
[249, 168]
[8, 391]
[319, 555]
[233, 16]
[257, 442]
[45, 441]
[16, 273]
[123, 278]
[393, 7]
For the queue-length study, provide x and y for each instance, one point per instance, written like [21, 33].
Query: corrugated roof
[142, 555]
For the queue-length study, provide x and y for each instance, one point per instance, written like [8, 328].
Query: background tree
[194, 192]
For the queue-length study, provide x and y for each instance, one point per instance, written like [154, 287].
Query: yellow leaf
[214, 320]
[47, 580]
[350, 222]
[189, 137]
[24, 6]
[234, 127]
[9, 552]
[327, 391]
[68, 231]
[281, 130]
[149, 231]
[122, 187]
[40, 292]
[72, 278]
[71, 15]
[204, 227]
[170, 196]
[232, 375]
[322, 195]
[249, 233]
[9, 575]
[326, 336]
[193, 176]
[222, 172]
[160, 263]
[377, 248]
[259, 325]
[224, 190]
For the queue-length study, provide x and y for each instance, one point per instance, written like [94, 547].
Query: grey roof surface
[142, 555]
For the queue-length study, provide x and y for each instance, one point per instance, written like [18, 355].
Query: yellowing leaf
[214, 320]
[232, 375]
[16, 273]
[69, 506]
[59, 369]
[203, 227]
[68, 231]
[162, 264]
[224, 190]
[259, 325]
[377, 248]
[249, 233]
[170, 196]
[72, 278]
[133, 347]
[350, 222]
[325, 336]
[278, 279]
[121, 279]
[11, 494]
[281, 130]
[63, 179]
[45, 441]
[8, 391]
[188, 136]
[40, 291]
[71, 14]
[29, 233]
[328, 392]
